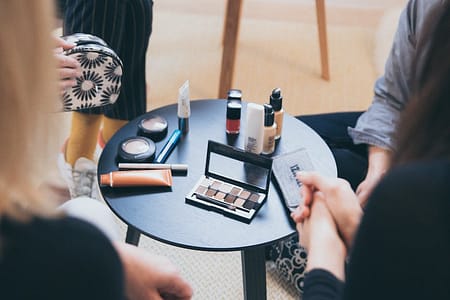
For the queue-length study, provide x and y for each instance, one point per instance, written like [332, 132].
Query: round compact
[153, 127]
[137, 149]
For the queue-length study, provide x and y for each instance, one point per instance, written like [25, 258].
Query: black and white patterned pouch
[101, 78]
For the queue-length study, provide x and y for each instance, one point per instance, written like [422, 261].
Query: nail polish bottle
[233, 122]
[276, 100]
[253, 141]
[270, 130]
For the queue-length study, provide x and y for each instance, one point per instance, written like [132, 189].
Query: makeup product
[169, 146]
[235, 182]
[136, 149]
[276, 100]
[270, 130]
[253, 141]
[153, 127]
[184, 108]
[233, 122]
[137, 178]
[285, 168]
[151, 166]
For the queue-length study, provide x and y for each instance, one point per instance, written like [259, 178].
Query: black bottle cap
[234, 94]
[269, 115]
[234, 110]
[276, 99]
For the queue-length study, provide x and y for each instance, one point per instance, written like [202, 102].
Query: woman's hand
[149, 276]
[342, 203]
[68, 68]
[319, 235]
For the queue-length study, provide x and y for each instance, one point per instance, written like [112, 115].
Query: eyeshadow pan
[200, 190]
[239, 202]
[210, 192]
[230, 198]
[235, 191]
[216, 185]
[249, 204]
[226, 188]
[254, 197]
[244, 194]
[219, 195]
[206, 182]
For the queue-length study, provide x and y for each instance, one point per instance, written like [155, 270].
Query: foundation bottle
[276, 100]
[270, 130]
[253, 141]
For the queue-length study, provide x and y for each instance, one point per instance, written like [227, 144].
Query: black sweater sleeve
[58, 259]
[321, 285]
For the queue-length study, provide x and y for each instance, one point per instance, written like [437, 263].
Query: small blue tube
[168, 147]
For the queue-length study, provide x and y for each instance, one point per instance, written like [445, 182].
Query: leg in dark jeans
[351, 160]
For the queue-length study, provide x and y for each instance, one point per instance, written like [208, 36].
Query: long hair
[28, 92]
[424, 129]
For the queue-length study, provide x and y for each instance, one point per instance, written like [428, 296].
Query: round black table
[163, 214]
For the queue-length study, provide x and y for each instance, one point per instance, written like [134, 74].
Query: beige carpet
[277, 47]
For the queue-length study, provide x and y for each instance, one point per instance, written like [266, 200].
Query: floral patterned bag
[101, 77]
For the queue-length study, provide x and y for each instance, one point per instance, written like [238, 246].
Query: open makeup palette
[235, 182]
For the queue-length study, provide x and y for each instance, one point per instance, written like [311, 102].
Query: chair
[230, 37]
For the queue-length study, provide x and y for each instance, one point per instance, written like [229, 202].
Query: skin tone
[379, 159]
[68, 67]
[149, 276]
[340, 200]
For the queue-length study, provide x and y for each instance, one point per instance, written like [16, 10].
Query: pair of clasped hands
[327, 222]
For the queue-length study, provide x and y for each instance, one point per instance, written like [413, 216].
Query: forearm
[379, 161]
[327, 254]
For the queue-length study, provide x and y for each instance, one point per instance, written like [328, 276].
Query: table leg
[254, 273]
[133, 235]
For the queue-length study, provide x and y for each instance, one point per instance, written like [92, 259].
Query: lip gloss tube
[137, 178]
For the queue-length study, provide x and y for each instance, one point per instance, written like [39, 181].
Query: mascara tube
[169, 146]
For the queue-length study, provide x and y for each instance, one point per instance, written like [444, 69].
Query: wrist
[328, 253]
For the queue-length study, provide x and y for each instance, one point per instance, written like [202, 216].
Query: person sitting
[44, 253]
[398, 248]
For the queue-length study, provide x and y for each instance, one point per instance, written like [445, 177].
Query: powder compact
[235, 182]
[153, 127]
[137, 149]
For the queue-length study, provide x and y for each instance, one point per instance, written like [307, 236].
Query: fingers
[313, 179]
[64, 61]
[62, 43]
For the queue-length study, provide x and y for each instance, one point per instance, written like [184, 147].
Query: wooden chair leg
[230, 37]
[322, 28]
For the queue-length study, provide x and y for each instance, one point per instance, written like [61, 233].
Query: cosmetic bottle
[233, 121]
[184, 107]
[253, 141]
[276, 100]
[270, 130]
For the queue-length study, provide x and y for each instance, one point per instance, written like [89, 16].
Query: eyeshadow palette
[235, 182]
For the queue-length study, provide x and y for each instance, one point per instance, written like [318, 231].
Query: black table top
[163, 214]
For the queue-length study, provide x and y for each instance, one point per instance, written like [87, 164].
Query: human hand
[339, 198]
[68, 67]
[379, 160]
[149, 276]
[319, 235]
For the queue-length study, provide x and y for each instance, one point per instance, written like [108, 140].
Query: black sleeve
[402, 248]
[321, 285]
[58, 259]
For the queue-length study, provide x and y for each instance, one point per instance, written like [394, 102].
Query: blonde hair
[28, 93]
